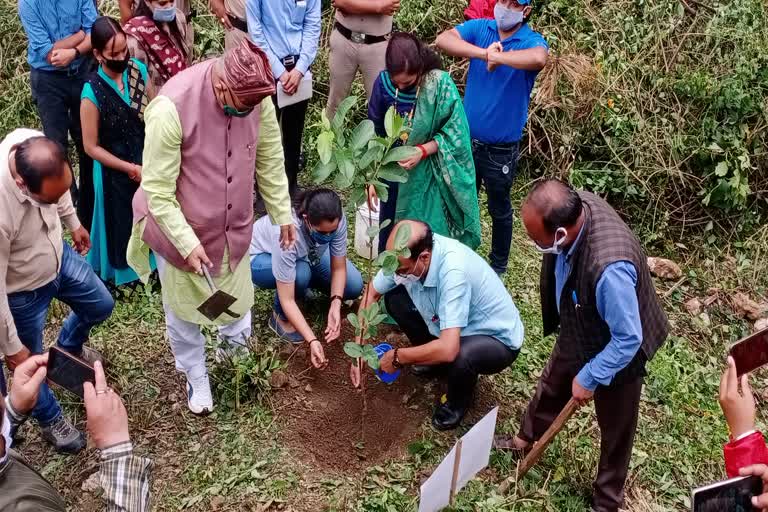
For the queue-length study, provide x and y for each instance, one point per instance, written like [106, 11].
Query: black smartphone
[68, 371]
[751, 352]
[734, 495]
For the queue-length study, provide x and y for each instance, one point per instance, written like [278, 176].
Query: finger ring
[101, 392]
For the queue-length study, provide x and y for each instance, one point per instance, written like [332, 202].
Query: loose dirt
[321, 414]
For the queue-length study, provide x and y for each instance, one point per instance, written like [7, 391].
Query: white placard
[474, 457]
[304, 92]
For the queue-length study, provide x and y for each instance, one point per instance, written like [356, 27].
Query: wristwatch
[77, 54]
[334, 297]
[396, 361]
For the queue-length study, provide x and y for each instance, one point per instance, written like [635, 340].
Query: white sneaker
[199, 398]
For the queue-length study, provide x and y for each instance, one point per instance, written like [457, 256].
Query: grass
[236, 460]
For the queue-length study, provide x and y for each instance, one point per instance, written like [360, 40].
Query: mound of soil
[321, 415]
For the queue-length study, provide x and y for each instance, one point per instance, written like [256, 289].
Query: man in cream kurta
[205, 132]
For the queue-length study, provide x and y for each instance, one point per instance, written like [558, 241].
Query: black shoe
[448, 417]
[426, 371]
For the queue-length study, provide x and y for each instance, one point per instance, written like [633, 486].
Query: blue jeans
[76, 286]
[496, 167]
[317, 277]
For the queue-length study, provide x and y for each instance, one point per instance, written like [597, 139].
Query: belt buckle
[358, 37]
[289, 61]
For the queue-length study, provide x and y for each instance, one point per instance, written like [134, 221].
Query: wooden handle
[541, 445]
[208, 278]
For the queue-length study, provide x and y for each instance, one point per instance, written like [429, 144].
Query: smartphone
[734, 495]
[68, 371]
[750, 353]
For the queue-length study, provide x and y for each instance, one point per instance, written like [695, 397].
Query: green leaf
[346, 171]
[397, 124]
[358, 196]
[402, 236]
[382, 190]
[399, 153]
[340, 118]
[321, 171]
[393, 172]
[722, 168]
[353, 349]
[325, 146]
[385, 223]
[352, 319]
[375, 153]
[362, 134]
[378, 319]
[372, 231]
[389, 120]
[324, 122]
[373, 310]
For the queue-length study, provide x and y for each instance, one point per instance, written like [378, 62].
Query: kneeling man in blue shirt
[458, 316]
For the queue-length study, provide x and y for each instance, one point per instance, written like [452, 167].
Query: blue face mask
[165, 14]
[322, 238]
[506, 18]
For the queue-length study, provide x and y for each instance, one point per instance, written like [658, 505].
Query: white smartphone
[734, 495]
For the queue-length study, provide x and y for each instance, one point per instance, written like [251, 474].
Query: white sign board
[468, 457]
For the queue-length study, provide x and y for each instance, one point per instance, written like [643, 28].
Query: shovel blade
[216, 304]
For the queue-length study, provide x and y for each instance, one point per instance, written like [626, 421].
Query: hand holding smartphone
[734, 495]
[68, 371]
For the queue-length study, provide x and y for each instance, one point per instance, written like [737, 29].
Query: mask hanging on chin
[6, 431]
[506, 18]
[408, 278]
[557, 247]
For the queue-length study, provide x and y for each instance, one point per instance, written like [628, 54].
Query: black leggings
[478, 354]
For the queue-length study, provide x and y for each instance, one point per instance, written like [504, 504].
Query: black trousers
[291, 119]
[477, 354]
[617, 410]
[57, 97]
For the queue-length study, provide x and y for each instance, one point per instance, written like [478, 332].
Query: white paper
[303, 92]
[436, 492]
[475, 454]
[476, 448]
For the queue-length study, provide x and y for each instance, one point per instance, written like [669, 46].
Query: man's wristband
[337, 297]
[396, 361]
[310, 342]
[77, 54]
[13, 414]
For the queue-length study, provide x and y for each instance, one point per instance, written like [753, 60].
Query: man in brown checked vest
[206, 132]
[596, 287]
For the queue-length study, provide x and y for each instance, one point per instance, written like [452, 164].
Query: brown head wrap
[247, 73]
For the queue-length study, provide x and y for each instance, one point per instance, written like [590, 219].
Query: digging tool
[218, 302]
[538, 449]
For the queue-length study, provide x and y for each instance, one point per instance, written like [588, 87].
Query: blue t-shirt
[496, 102]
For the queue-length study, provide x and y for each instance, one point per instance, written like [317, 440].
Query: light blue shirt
[285, 27]
[461, 290]
[617, 305]
[48, 21]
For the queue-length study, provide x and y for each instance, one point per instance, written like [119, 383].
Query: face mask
[232, 111]
[408, 278]
[557, 247]
[118, 66]
[506, 18]
[321, 238]
[165, 14]
[6, 435]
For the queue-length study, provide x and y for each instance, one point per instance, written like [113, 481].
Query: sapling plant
[357, 160]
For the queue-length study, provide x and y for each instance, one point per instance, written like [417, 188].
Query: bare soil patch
[321, 415]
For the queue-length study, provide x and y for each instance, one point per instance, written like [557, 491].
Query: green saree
[441, 190]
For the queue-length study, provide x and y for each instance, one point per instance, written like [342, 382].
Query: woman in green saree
[441, 188]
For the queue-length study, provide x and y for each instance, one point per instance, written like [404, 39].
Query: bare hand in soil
[333, 329]
[354, 373]
[317, 355]
[385, 364]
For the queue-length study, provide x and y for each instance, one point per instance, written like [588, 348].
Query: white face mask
[506, 18]
[408, 278]
[557, 247]
[6, 435]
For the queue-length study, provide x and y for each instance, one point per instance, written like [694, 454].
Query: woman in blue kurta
[111, 113]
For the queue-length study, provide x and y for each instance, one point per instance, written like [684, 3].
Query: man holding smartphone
[124, 476]
[36, 266]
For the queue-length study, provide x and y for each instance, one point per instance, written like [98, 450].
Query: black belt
[359, 37]
[239, 24]
[500, 145]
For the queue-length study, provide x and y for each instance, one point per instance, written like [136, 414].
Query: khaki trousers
[345, 59]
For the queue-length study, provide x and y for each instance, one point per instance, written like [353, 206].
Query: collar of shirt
[521, 34]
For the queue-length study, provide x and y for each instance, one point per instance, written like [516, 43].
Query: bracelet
[424, 154]
[313, 340]
[339, 297]
[77, 54]
[13, 414]
[396, 361]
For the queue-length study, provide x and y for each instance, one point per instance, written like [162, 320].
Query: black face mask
[119, 65]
